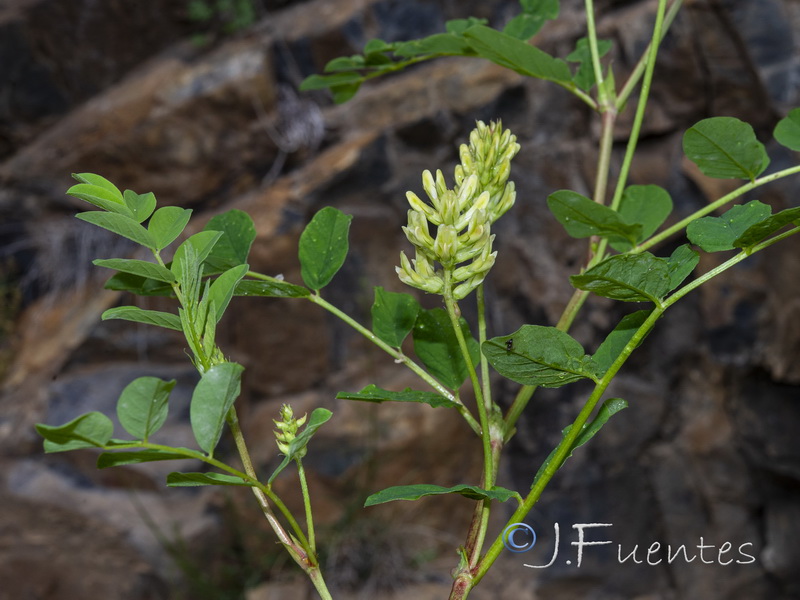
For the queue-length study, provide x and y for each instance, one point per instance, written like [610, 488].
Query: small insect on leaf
[510, 344]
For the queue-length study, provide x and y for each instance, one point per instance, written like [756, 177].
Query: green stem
[680, 225]
[595, 54]
[774, 240]
[453, 312]
[480, 523]
[319, 583]
[185, 452]
[608, 119]
[583, 96]
[638, 71]
[644, 94]
[487, 388]
[515, 411]
[307, 503]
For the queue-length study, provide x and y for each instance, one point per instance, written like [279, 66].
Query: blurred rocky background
[199, 104]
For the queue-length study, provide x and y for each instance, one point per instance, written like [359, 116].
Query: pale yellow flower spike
[462, 216]
[287, 430]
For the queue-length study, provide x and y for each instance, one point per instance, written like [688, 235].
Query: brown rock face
[706, 454]
[50, 552]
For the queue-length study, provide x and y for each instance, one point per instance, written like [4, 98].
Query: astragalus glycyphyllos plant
[451, 256]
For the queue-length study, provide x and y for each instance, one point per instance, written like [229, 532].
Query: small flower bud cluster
[462, 216]
[287, 430]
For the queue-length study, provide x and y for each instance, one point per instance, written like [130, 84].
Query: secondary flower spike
[287, 430]
[462, 216]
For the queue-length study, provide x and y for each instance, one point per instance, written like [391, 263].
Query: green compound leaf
[221, 291]
[213, 397]
[167, 223]
[238, 234]
[318, 418]
[142, 406]
[463, 37]
[534, 14]
[715, 234]
[537, 355]
[436, 345]
[609, 409]
[202, 243]
[517, 55]
[681, 263]
[117, 459]
[584, 77]
[122, 225]
[725, 148]
[141, 286]
[198, 479]
[270, 289]
[97, 180]
[140, 315]
[373, 393]
[141, 205]
[762, 230]
[92, 430]
[323, 247]
[646, 205]
[137, 267]
[628, 277]
[415, 492]
[582, 217]
[101, 197]
[787, 131]
[393, 316]
[616, 341]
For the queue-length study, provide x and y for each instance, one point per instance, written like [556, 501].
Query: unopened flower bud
[467, 193]
[444, 247]
[476, 211]
[429, 185]
[417, 230]
[505, 202]
[419, 206]
[420, 274]
[462, 291]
